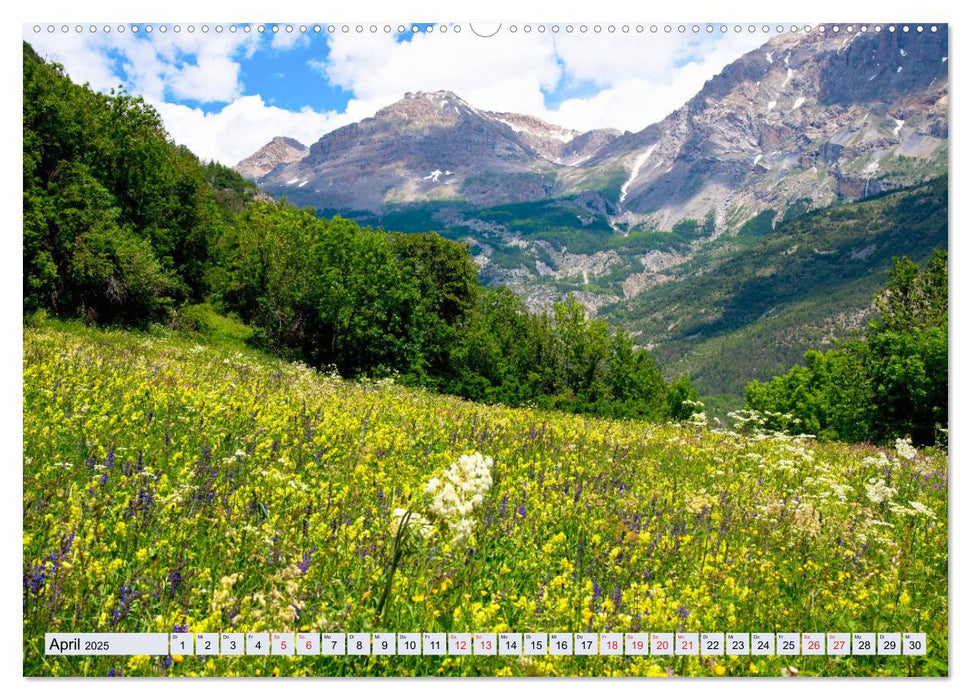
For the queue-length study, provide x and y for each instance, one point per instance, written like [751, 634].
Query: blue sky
[226, 92]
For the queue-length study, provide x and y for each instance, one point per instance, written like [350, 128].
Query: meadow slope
[170, 484]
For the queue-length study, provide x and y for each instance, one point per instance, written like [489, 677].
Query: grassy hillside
[170, 483]
[748, 307]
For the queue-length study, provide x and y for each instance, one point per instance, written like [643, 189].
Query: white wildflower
[416, 521]
[921, 509]
[878, 491]
[461, 531]
[697, 502]
[840, 490]
[904, 449]
[806, 519]
[900, 510]
[746, 420]
[461, 490]
[878, 523]
[878, 462]
[699, 419]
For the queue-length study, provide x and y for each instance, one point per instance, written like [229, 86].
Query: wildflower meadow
[176, 486]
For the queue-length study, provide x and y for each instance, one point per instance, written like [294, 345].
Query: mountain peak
[423, 108]
[286, 141]
[280, 150]
[447, 95]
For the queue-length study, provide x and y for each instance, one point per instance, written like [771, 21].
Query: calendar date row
[491, 644]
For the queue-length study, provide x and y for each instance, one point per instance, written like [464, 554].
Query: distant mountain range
[427, 147]
[804, 122]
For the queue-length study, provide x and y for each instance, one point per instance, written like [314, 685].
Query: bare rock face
[555, 143]
[804, 117]
[280, 150]
[885, 65]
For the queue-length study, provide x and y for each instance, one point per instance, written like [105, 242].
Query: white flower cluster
[878, 491]
[458, 493]
[826, 486]
[806, 519]
[750, 422]
[747, 421]
[878, 462]
[697, 502]
[699, 419]
[905, 450]
[916, 508]
[416, 521]
[921, 509]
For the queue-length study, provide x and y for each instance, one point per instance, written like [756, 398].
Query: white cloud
[171, 45]
[189, 65]
[284, 40]
[641, 84]
[504, 72]
[84, 57]
[215, 79]
[203, 66]
[636, 74]
[242, 127]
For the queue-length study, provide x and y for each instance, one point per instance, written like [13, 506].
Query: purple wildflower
[175, 579]
[305, 562]
[125, 598]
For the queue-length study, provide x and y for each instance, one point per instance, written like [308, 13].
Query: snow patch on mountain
[638, 164]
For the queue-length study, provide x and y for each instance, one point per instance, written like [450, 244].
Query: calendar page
[465, 349]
